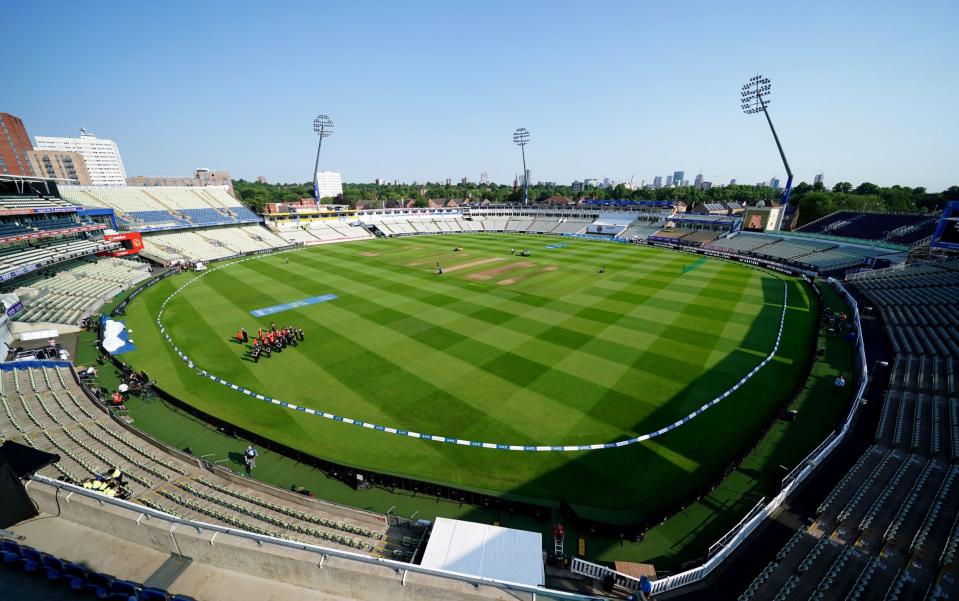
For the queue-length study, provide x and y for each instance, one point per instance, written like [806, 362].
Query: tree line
[812, 200]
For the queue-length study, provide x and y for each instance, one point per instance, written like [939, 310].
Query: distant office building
[699, 181]
[329, 183]
[59, 164]
[658, 181]
[685, 183]
[379, 181]
[261, 179]
[465, 181]
[484, 178]
[732, 182]
[549, 184]
[449, 181]
[590, 182]
[525, 178]
[774, 183]
[669, 181]
[817, 179]
[200, 177]
[14, 146]
[607, 183]
[706, 185]
[678, 177]
[577, 187]
[101, 156]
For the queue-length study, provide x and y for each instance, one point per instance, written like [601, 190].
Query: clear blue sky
[424, 91]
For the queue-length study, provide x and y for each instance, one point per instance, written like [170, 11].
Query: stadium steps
[775, 576]
[953, 428]
[898, 506]
[887, 419]
[854, 509]
[902, 434]
[921, 424]
[932, 531]
[843, 491]
[866, 522]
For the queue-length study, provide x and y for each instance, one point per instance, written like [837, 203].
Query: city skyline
[420, 118]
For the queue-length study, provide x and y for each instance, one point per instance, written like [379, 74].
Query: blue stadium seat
[11, 551]
[153, 594]
[99, 583]
[53, 566]
[77, 574]
[123, 589]
[33, 559]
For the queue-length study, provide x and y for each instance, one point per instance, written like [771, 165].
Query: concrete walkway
[129, 561]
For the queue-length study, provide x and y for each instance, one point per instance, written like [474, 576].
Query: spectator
[645, 586]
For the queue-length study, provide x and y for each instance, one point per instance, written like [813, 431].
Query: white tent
[486, 551]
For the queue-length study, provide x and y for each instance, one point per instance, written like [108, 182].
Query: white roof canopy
[486, 551]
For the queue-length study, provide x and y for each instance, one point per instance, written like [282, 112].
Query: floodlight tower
[521, 138]
[755, 98]
[323, 126]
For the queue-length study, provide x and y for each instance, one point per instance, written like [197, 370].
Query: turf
[538, 350]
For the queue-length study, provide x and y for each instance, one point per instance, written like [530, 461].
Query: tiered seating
[15, 203]
[29, 225]
[839, 256]
[45, 408]
[897, 228]
[671, 233]
[891, 517]
[743, 242]
[164, 207]
[542, 226]
[76, 291]
[701, 237]
[794, 248]
[640, 231]
[211, 244]
[48, 252]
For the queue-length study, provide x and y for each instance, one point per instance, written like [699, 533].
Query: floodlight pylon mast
[521, 138]
[755, 98]
[323, 126]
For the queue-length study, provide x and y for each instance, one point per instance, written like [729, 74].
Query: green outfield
[539, 350]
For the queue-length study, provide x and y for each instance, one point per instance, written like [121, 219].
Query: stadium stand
[805, 251]
[76, 290]
[44, 407]
[895, 228]
[209, 244]
[157, 208]
[888, 528]
[22, 258]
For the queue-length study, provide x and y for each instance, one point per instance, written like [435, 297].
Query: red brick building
[14, 146]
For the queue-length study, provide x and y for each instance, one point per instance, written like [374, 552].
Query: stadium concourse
[156, 517]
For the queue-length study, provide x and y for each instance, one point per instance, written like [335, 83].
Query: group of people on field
[267, 341]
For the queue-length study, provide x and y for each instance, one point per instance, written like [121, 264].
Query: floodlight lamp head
[755, 94]
[521, 136]
[323, 126]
